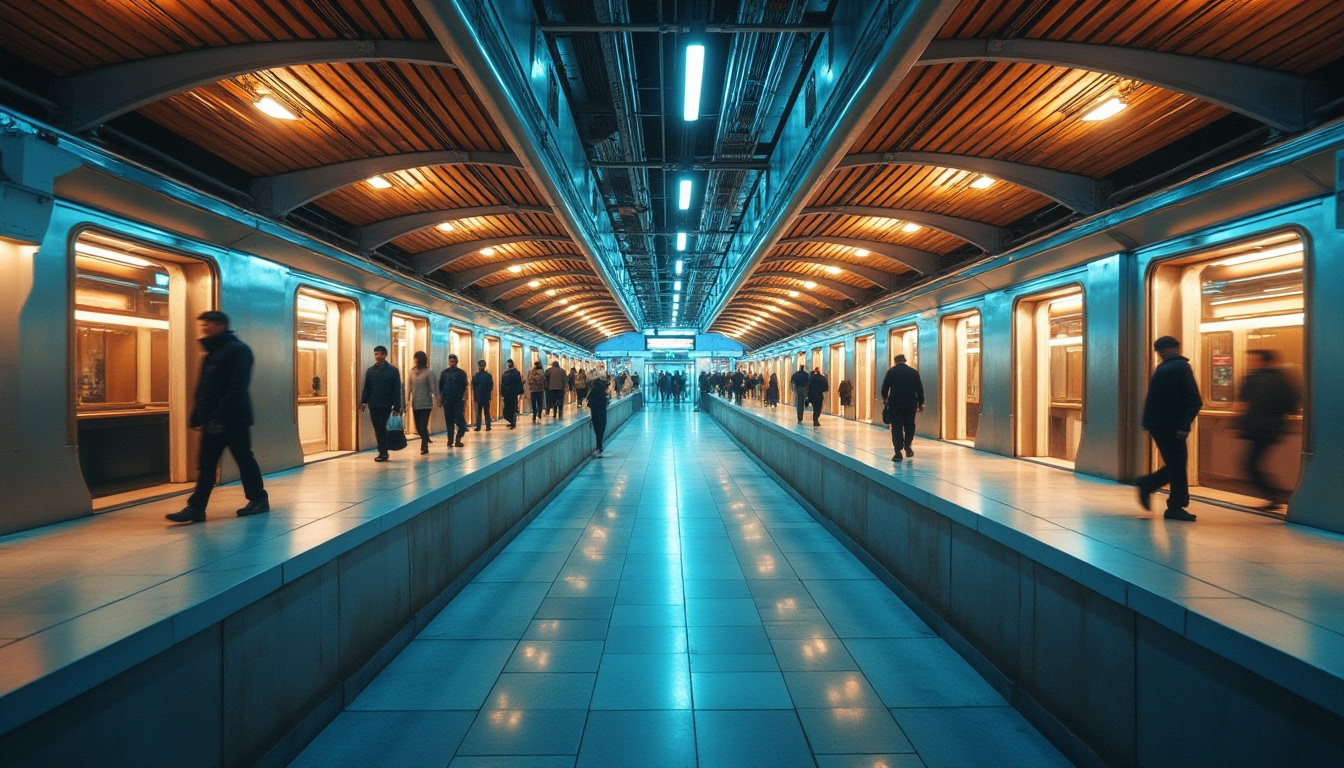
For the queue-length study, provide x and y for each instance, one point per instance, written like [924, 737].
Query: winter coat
[221, 393]
[1173, 399]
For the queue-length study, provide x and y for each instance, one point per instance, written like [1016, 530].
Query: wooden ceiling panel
[437, 188]
[550, 265]
[865, 228]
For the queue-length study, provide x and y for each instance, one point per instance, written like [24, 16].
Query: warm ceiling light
[984, 182]
[515, 269]
[809, 285]
[861, 252]
[679, 265]
[1106, 109]
[676, 285]
[551, 292]
[487, 251]
[533, 283]
[779, 302]
[833, 270]
[793, 294]
[776, 309]
[695, 73]
[684, 195]
[911, 226]
[564, 301]
[272, 108]
[446, 226]
[378, 182]
[681, 241]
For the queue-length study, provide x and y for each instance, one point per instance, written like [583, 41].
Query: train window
[1229, 307]
[134, 331]
[324, 386]
[1050, 363]
[864, 377]
[904, 341]
[410, 334]
[961, 376]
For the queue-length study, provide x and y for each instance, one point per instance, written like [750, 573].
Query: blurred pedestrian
[1270, 396]
[510, 389]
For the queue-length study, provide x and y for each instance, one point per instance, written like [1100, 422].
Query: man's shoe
[423, 451]
[816, 423]
[909, 451]
[896, 458]
[1179, 514]
[255, 507]
[478, 429]
[487, 429]
[458, 444]
[187, 515]
[380, 458]
[1145, 498]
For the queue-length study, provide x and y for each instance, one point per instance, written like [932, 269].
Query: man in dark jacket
[510, 389]
[1270, 396]
[453, 396]
[482, 392]
[1170, 409]
[556, 381]
[382, 395]
[223, 415]
[738, 384]
[799, 381]
[903, 396]
[817, 387]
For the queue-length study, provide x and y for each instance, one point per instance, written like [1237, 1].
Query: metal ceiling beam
[560, 303]
[880, 279]
[767, 304]
[775, 291]
[494, 292]
[725, 165]
[922, 262]
[474, 275]
[438, 258]
[282, 193]
[568, 318]
[513, 305]
[571, 324]
[92, 98]
[791, 322]
[675, 28]
[772, 323]
[857, 295]
[1081, 193]
[986, 237]
[371, 236]
[1281, 99]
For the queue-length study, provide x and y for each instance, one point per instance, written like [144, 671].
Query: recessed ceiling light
[515, 269]
[564, 301]
[378, 182]
[533, 283]
[680, 264]
[984, 182]
[1106, 109]
[446, 226]
[833, 270]
[550, 292]
[793, 294]
[684, 195]
[676, 285]
[911, 226]
[487, 251]
[681, 241]
[809, 285]
[861, 252]
[272, 108]
[695, 72]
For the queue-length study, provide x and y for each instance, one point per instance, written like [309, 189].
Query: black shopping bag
[396, 433]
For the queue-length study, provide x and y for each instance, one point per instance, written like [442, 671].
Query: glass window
[961, 376]
[1050, 367]
[121, 331]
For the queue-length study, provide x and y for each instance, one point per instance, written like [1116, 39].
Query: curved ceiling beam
[1081, 193]
[561, 304]
[880, 279]
[279, 194]
[756, 302]
[371, 236]
[493, 293]
[91, 98]
[922, 262]
[774, 291]
[751, 313]
[738, 330]
[474, 275]
[514, 304]
[438, 258]
[986, 237]
[772, 322]
[571, 324]
[1286, 101]
[855, 294]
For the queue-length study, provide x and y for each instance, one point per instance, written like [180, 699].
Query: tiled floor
[675, 607]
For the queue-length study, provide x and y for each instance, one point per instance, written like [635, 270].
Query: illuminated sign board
[669, 343]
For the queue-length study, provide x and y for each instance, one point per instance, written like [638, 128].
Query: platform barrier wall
[298, 642]
[1106, 683]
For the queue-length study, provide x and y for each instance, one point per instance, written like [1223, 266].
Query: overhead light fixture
[551, 292]
[111, 255]
[515, 269]
[270, 107]
[984, 182]
[533, 283]
[833, 270]
[684, 195]
[861, 252]
[676, 285]
[564, 301]
[446, 226]
[911, 226]
[695, 75]
[809, 284]
[681, 241]
[378, 182]
[487, 251]
[678, 266]
[793, 294]
[1106, 109]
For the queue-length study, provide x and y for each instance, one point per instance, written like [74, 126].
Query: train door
[492, 364]
[460, 344]
[1050, 364]
[960, 376]
[409, 335]
[1237, 310]
[135, 365]
[864, 375]
[324, 372]
[836, 376]
[903, 341]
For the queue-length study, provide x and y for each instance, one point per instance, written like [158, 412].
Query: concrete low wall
[1106, 683]
[258, 685]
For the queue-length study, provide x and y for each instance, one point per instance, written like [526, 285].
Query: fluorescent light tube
[695, 74]
[681, 241]
[679, 266]
[684, 195]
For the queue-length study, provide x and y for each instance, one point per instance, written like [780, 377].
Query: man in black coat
[510, 389]
[1170, 409]
[738, 385]
[817, 387]
[223, 416]
[903, 396]
[799, 381]
[453, 396]
[382, 395]
[482, 392]
[1271, 396]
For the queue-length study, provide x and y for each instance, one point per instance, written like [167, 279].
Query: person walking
[223, 415]
[382, 396]
[799, 381]
[482, 392]
[1270, 396]
[510, 389]
[772, 392]
[738, 383]
[453, 397]
[580, 387]
[536, 388]
[902, 398]
[597, 410]
[817, 387]
[556, 381]
[420, 382]
[1169, 410]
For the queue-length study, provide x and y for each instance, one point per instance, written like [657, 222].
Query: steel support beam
[760, 302]
[986, 237]
[922, 262]
[438, 258]
[379, 232]
[474, 275]
[493, 293]
[92, 98]
[774, 291]
[557, 304]
[1280, 99]
[725, 165]
[880, 279]
[572, 324]
[857, 295]
[673, 28]
[513, 305]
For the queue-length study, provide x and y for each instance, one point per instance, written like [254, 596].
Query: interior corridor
[675, 607]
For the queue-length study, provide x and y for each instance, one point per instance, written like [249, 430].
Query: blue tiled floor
[674, 607]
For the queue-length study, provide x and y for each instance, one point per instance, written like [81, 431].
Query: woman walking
[420, 385]
[597, 407]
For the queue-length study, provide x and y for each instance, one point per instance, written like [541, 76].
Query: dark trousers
[455, 414]
[800, 400]
[511, 410]
[816, 410]
[555, 402]
[1175, 459]
[422, 426]
[599, 417]
[1260, 445]
[379, 417]
[239, 442]
[737, 395]
[537, 398]
[483, 413]
[903, 426]
[582, 398]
